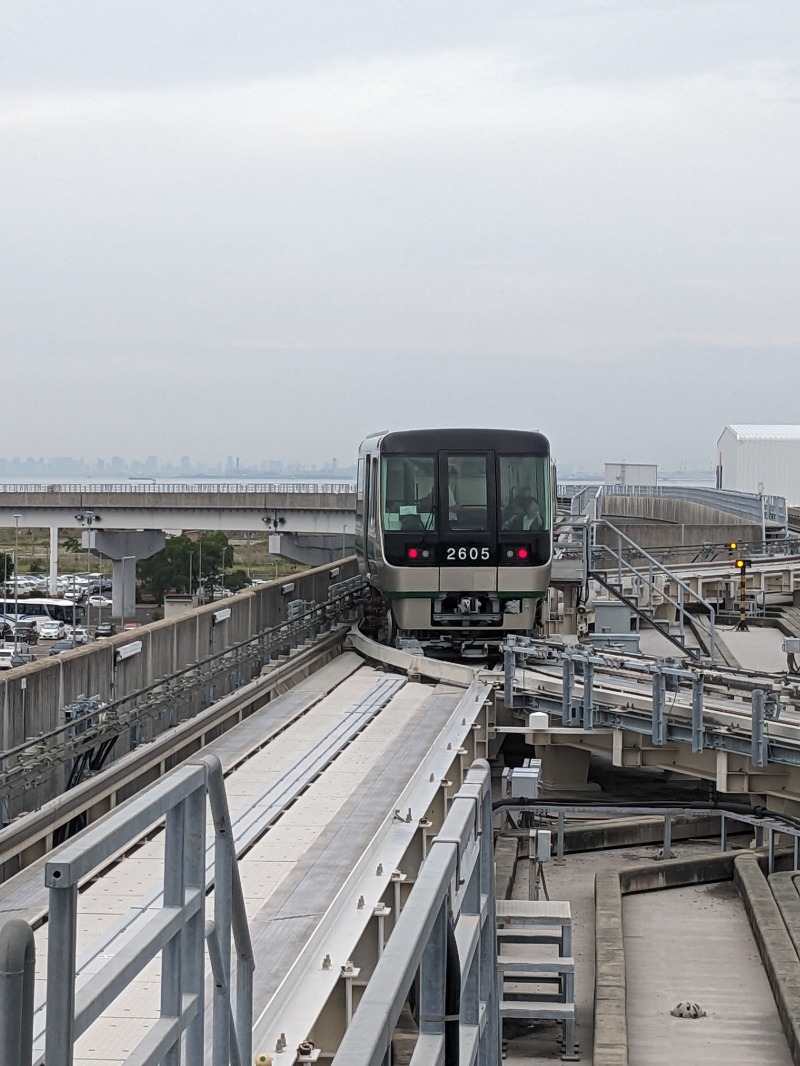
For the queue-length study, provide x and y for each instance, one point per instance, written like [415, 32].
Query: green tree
[169, 570]
[72, 544]
[6, 565]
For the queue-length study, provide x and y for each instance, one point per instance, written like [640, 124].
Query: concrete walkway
[680, 944]
[695, 944]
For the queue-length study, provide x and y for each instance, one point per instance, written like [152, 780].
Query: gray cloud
[265, 229]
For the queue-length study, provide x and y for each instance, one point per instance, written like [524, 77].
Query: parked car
[99, 601]
[22, 658]
[105, 629]
[132, 625]
[6, 659]
[27, 633]
[51, 630]
[62, 645]
[79, 635]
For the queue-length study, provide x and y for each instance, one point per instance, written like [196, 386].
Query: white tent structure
[760, 459]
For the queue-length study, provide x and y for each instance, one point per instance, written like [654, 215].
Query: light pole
[191, 556]
[16, 581]
[222, 594]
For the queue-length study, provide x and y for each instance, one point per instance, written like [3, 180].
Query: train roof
[509, 441]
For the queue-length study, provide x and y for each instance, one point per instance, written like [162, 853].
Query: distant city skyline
[236, 467]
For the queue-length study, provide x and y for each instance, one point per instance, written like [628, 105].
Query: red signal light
[522, 553]
[413, 553]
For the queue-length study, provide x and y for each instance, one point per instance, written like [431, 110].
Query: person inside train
[523, 513]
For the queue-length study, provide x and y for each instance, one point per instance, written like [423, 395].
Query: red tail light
[413, 553]
[522, 553]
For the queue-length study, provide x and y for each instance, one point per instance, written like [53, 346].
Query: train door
[468, 505]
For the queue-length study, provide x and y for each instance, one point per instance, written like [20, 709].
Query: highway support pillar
[53, 561]
[123, 548]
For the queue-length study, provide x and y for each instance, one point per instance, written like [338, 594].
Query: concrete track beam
[313, 549]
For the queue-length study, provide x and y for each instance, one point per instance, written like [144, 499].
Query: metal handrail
[455, 884]
[177, 929]
[621, 561]
[224, 487]
[232, 1036]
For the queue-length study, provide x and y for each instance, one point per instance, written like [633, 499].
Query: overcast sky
[266, 228]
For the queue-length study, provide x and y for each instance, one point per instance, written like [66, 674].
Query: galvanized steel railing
[179, 930]
[451, 911]
[612, 561]
[148, 486]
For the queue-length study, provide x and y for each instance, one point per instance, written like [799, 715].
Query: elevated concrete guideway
[238, 508]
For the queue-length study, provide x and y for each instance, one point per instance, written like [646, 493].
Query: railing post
[697, 714]
[17, 984]
[509, 663]
[659, 731]
[194, 932]
[174, 894]
[588, 694]
[759, 751]
[62, 923]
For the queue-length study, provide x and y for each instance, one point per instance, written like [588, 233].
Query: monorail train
[454, 530]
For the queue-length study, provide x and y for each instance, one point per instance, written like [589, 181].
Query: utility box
[612, 628]
[791, 645]
[524, 780]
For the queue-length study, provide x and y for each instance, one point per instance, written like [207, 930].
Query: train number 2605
[472, 555]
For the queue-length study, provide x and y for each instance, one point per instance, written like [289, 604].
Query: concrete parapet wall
[667, 509]
[610, 1046]
[774, 944]
[784, 888]
[623, 832]
[659, 522]
[32, 697]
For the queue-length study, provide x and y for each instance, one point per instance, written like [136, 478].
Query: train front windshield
[454, 491]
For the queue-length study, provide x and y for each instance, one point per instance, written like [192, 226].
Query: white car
[78, 635]
[99, 601]
[51, 630]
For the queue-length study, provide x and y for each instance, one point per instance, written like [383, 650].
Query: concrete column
[123, 548]
[53, 560]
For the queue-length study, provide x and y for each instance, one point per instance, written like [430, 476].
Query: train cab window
[467, 492]
[524, 494]
[409, 492]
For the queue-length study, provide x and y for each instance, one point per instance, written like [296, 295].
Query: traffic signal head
[742, 564]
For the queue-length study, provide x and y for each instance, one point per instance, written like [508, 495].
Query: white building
[631, 474]
[760, 459]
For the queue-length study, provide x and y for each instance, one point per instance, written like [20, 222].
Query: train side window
[524, 495]
[467, 492]
[360, 479]
[372, 499]
[409, 492]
